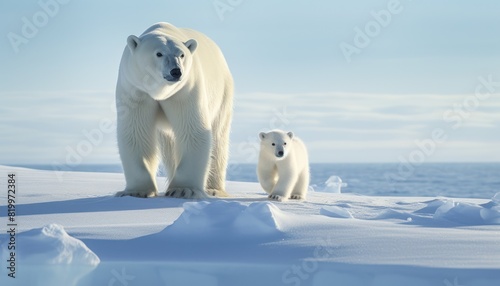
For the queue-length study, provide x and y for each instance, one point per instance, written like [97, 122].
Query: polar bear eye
[159, 54]
[284, 143]
[273, 144]
[182, 56]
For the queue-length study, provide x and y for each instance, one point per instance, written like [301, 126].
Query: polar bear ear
[191, 45]
[290, 134]
[262, 135]
[132, 42]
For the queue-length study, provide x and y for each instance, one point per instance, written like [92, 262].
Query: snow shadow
[94, 204]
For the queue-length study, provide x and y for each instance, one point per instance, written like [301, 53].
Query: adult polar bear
[174, 100]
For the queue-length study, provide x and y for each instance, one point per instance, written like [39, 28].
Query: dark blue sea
[462, 180]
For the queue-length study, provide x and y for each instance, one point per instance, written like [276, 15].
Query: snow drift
[49, 256]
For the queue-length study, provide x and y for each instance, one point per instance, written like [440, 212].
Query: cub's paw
[276, 198]
[297, 197]
[186, 193]
[217, 193]
[138, 194]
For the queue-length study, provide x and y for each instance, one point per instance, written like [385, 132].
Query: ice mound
[49, 256]
[52, 245]
[496, 199]
[332, 185]
[431, 206]
[228, 218]
[464, 213]
[491, 211]
[334, 211]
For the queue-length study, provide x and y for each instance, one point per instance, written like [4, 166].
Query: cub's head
[276, 143]
[162, 63]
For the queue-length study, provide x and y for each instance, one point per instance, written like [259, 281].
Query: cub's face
[163, 62]
[276, 143]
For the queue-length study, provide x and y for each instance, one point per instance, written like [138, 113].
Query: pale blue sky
[416, 74]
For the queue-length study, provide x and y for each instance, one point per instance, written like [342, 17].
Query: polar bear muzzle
[173, 75]
[176, 73]
[280, 152]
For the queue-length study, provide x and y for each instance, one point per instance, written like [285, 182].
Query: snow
[72, 231]
[334, 211]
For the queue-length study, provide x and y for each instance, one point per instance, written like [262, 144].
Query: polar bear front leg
[284, 185]
[192, 170]
[267, 175]
[137, 147]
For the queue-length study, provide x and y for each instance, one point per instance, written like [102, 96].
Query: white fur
[185, 122]
[287, 176]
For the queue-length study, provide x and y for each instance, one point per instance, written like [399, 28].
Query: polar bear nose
[280, 154]
[176, 73]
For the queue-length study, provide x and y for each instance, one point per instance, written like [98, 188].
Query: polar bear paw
[278, 198]
[217, 193]
[185, 193]
[138, 194]
[297, 197]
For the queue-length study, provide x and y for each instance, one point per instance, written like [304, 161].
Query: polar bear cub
[283, 168]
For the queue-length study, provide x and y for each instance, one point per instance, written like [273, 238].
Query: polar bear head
[276, 143]
[161, 63]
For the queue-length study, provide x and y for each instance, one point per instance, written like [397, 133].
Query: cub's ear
[290, 134]
[132, 42]
[191, 45]
[262, 135]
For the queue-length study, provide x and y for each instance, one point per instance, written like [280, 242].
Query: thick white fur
[287, 176]
[185, 123]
